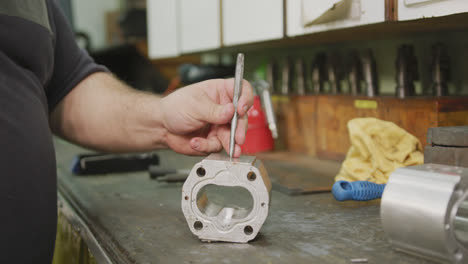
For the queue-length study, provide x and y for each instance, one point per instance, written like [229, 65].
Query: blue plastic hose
[358, 190]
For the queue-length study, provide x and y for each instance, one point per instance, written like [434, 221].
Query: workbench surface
[138, 220]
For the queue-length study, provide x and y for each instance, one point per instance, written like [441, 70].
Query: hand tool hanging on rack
[369, 72]
[440, 70]
[286, 80]
[300, 77]
[271, 74]
[263, 89]
[334, 70]
[319, 73]
[407, 71]
[354, 72]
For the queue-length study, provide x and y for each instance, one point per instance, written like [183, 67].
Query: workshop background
[327, 62]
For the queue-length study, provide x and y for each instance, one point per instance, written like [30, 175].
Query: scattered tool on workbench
[358, 190]
[239, 77]
[173, 178]
[156, 172]
[87, 164]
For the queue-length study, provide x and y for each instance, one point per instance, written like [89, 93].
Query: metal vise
[225, 200]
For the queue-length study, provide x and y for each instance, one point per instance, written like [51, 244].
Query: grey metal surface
[423, 211]
[456, 136]
[454, 156]
[140, 221]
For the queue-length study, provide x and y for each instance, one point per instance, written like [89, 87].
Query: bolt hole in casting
[201, 172]
[248, 230]
[226, 203]
[198, 225]
[251, 176]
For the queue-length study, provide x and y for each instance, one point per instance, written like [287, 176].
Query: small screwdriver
[237, 91]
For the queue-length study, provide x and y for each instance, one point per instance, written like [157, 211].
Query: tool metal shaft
[237, 91]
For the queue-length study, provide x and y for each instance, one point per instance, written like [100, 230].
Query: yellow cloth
[378, 148]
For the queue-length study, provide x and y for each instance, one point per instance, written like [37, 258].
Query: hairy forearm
[104, 114]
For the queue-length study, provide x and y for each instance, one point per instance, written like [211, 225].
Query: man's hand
[103, 113]
[197, 117]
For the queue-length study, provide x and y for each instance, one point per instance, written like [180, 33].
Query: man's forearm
[103, 113]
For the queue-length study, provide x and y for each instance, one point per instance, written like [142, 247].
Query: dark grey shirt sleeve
[71, 64]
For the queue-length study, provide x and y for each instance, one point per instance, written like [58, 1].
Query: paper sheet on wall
[323, 11]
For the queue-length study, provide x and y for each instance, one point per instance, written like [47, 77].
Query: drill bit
[237, 91]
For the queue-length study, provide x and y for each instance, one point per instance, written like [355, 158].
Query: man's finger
[223, 134]
[237, 151]
[246, 98]
[212, 112]
[242, 125]
[208, 145]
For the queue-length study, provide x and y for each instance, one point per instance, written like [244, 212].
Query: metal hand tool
[156, 172]
[318, 72]
[334, 70]
[440, 70]
[369, 71]
[286, 80]
[237, 92]
[300, 78]
[172, 178]
[89, 164]
[354, 72]
[263, 88]
[407, 71]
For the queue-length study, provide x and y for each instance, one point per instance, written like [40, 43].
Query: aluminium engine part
[225, 200]
[424, 211]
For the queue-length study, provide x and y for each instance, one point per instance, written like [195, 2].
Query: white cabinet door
[352, 13]
[200, 25]
[415, 9]
[163, 28]
[246, 21]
